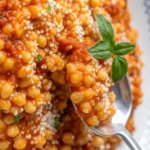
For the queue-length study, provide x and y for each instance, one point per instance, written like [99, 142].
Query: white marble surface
[140, 12]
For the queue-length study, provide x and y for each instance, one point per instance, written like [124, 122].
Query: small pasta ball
[4, 144]
[77, 97]
[24, 72]
[95, 3]
[30, 107]
[68, 138]
[97, 141]
[2, 57]
[65, 147]
[9, 64]
[40, 142]
[1, 44]
[26, 56]
[42, 41]
[5, 105]
[7, 29]
[19, 100]
[85, 107]
[92, 120]
[76, 78]
[20, 143]
[9, 119]
[24, 83]
[33, 92]
[2, 126]
[35, 10]
[12, 130]
[102, 75]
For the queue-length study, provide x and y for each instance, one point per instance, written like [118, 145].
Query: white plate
[140, 11]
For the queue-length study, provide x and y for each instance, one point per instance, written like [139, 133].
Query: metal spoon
[123, 105]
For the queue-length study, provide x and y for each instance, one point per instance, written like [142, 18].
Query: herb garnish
[107, 48]
[56, 123]
[39, 57]
[17, 119]
[49, 7]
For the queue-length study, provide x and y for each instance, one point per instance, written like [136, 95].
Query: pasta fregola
[43, 51]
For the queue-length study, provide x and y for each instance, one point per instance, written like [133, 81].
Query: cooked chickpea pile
[45, 65]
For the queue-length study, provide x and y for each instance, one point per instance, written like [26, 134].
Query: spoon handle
[129, 140]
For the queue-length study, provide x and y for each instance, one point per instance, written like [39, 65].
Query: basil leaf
[123, 48]
[49, 7]
[119, 68]
[101, 50]
[105, 29]
[56, 123]
[17, 119]
[39, 57]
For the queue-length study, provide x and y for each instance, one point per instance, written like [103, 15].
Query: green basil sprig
[107, 48]
[49, 7]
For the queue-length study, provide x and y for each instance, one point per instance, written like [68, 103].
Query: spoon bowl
[123, 104]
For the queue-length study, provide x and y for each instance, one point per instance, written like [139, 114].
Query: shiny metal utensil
[123, 105]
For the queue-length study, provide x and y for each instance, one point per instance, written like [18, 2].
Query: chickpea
[4, 144]
[8, 64]
[68, 138]
[19, 100]
[7, 29]
[77, 97]
[24, 83]
[85, 107]
[35, 11]
[2, 126]
[92, 120]
[24, 72]
[30, 107]
[76, 78]
[5, 105]
[40, 141]
[95, 3]
[42, 41]
[1, 44]
[20, 143]
[65, 147]
[9, 119]
[47, 96]
[102, 75]
[35, 79]
[33, 92]
[12, 130]
[26, 56]
[2, 57]
[97, 141]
